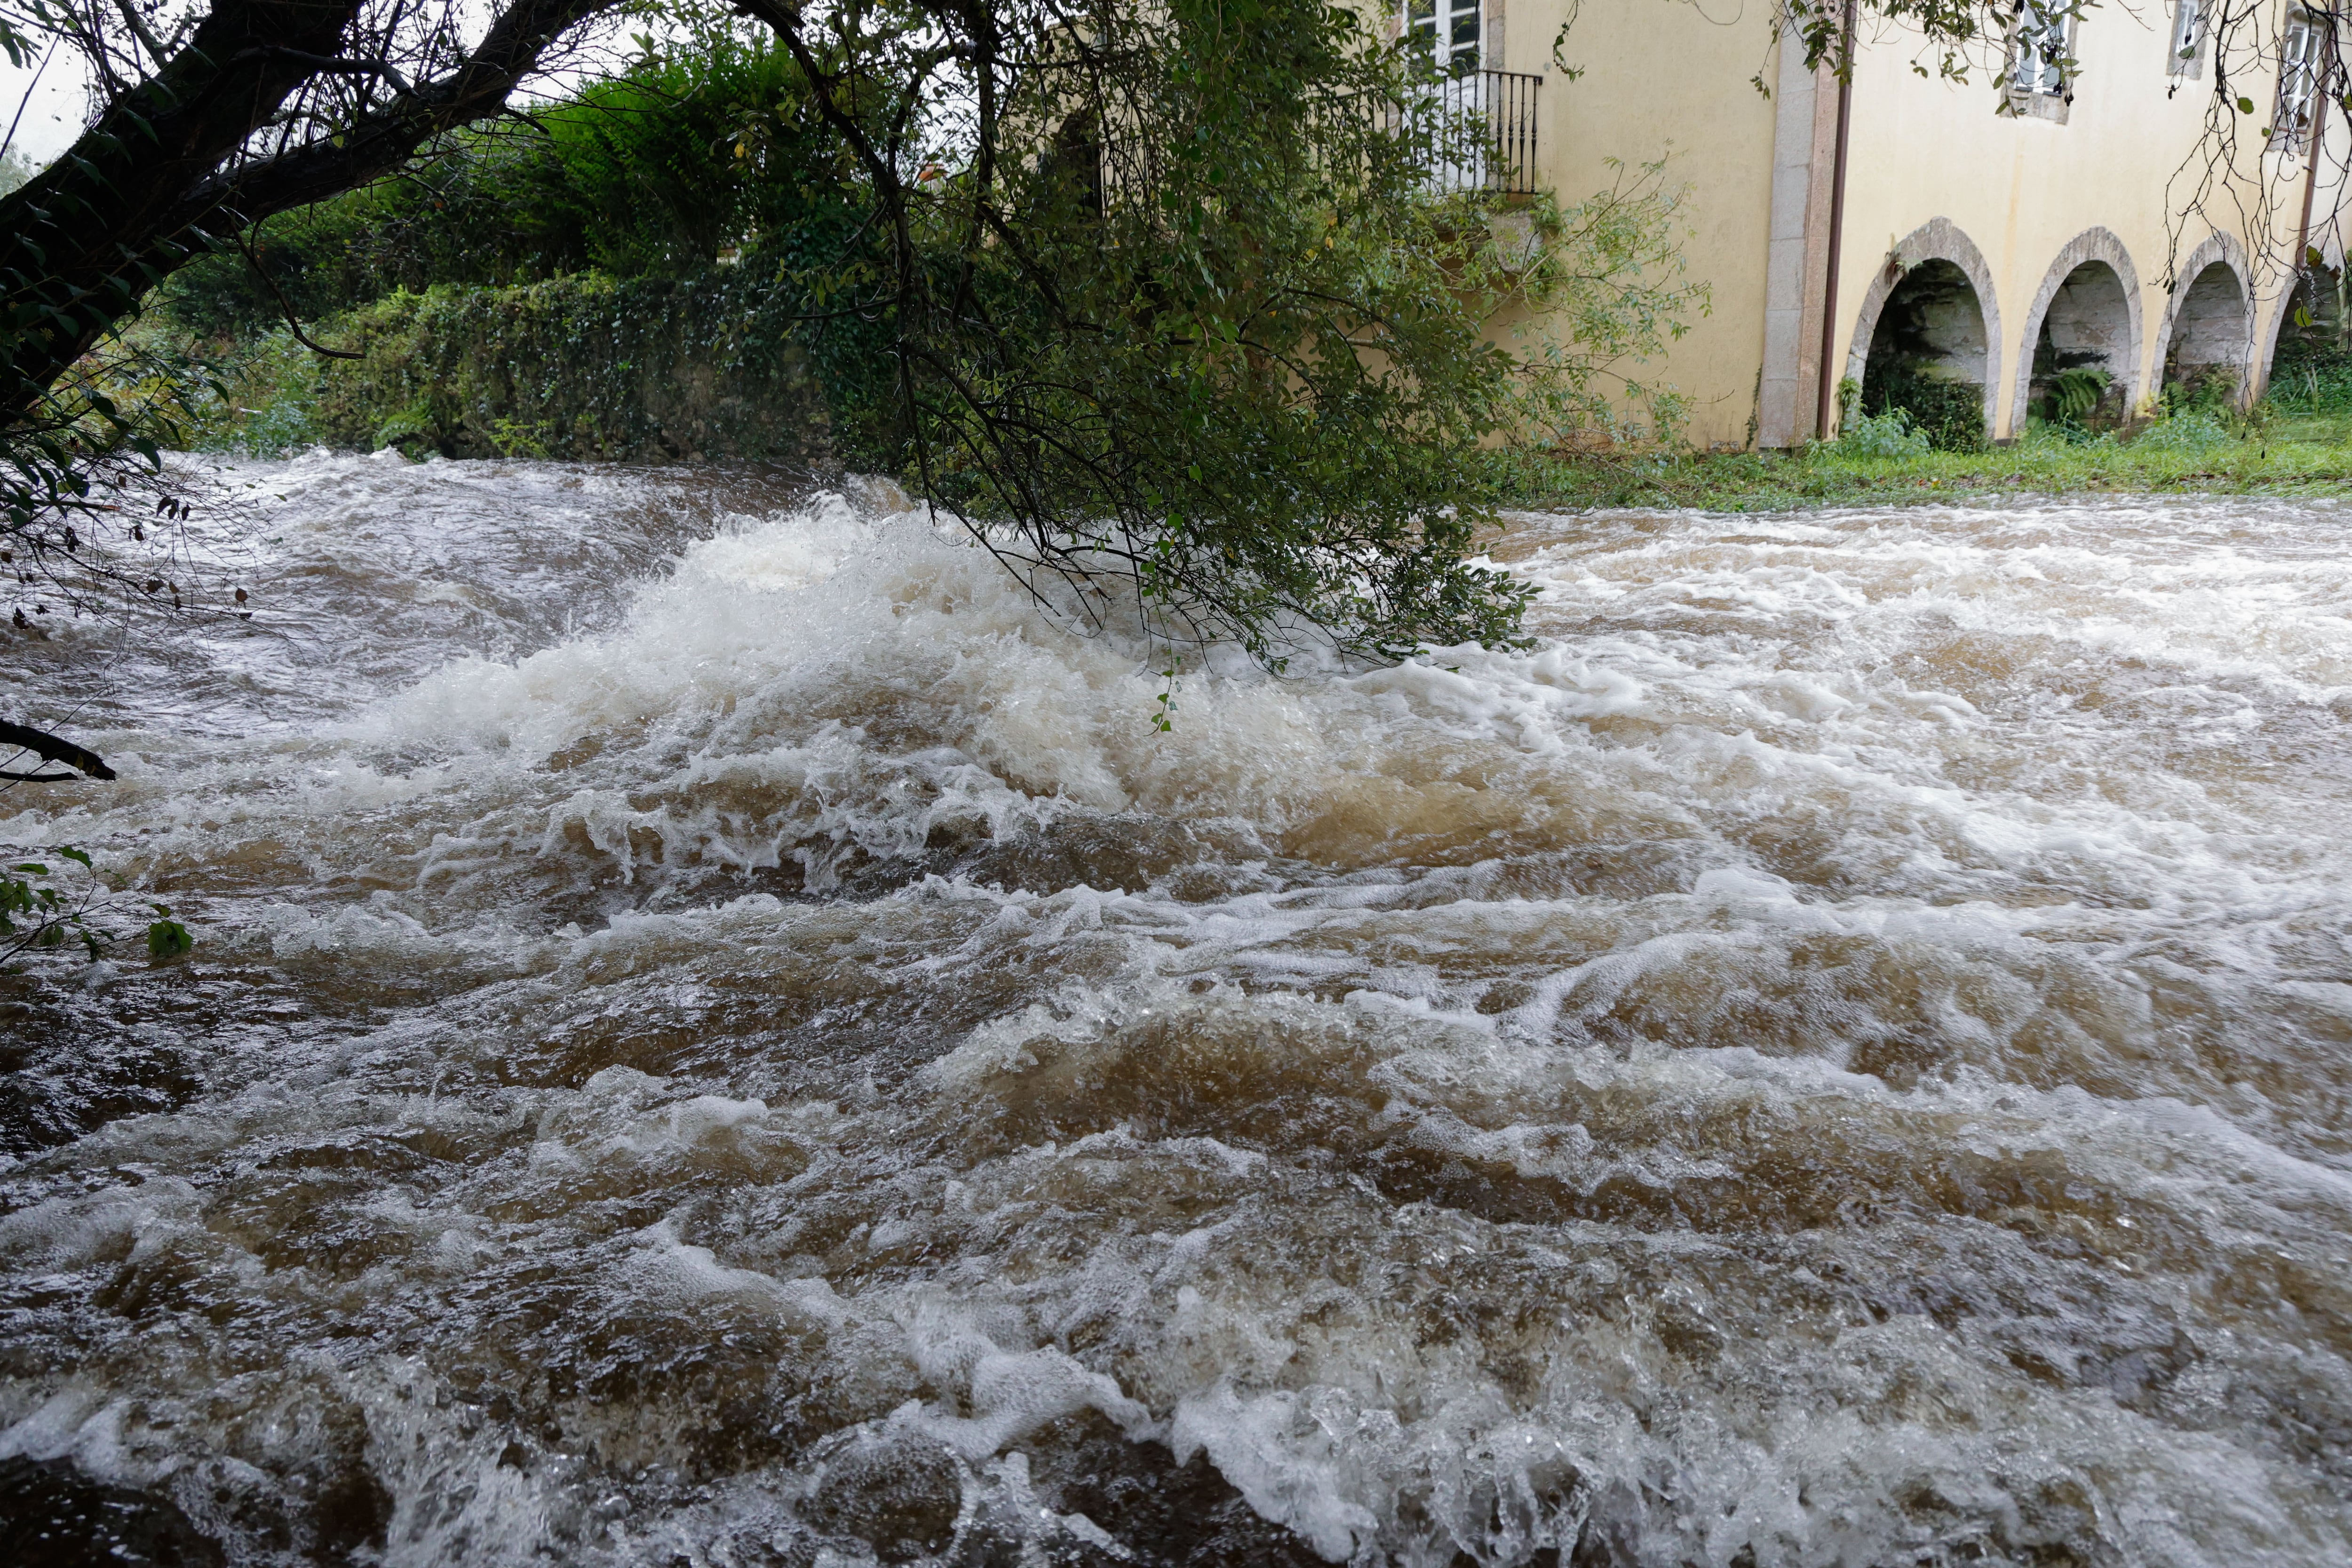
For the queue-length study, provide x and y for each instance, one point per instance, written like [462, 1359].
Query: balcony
[1484, 124]
[1477, 128]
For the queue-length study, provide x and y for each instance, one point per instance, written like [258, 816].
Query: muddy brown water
[721, 1036]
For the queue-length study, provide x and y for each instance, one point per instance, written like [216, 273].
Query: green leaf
[2245, 105]
[167, 939]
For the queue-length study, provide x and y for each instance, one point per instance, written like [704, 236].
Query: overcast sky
[52, 116]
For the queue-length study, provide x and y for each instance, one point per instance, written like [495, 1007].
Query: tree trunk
[147, 187]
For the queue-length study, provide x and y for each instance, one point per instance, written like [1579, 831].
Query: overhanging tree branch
[172, 160]
[50, 749]
[286, 307]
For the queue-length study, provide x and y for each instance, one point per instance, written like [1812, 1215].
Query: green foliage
[1221, 354]
[35, 913]
[1170, 303]
[488, 206]
[2314, 384]
[42, 909]
[1911, 365]
[88, 430]
[167, 938]
[693, 152]
[2210, 390]
[2068, 412]
[1888, 435]
[712, 149]
[2193, 452]
[1950, 35]
[2312, 371]
[643, 272]
[648, 370]
[2074, 394]
[1949, 413]
[2191, 431]
[94, 430]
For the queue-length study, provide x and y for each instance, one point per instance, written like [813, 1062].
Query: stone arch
[2209, 321]
[2295, 293]
[2089, 308]
[1938, 244]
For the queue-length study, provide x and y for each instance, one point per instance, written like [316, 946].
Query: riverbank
[662, 370]
[2273, 453]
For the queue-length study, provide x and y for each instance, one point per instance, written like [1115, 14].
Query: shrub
[2195, 431]
[655, 171]
[1949, 414]
[644, 370]
[2313, 383]
[1888, 435]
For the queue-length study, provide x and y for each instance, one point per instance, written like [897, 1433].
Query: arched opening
[2311, 354]
[2206, 356]
[1929, 357]
[2083, 355]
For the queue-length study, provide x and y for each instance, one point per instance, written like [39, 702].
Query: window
[2041, 50]
[2040, 76]
[2301, 67]
[1444, 33]
[2187, 57]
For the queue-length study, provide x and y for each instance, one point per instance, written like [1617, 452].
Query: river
[720, 1035]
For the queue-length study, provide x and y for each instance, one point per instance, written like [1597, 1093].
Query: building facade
[2096, 209]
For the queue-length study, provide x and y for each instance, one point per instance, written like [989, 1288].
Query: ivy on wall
[581, 367]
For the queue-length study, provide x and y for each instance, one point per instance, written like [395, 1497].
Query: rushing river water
[721, 1036]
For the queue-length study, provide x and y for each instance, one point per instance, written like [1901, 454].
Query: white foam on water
[1833, 1055]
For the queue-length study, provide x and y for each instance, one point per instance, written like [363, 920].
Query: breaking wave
[724, 1035]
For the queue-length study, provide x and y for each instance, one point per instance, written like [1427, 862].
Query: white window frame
[2303, 70]
[2036, 78]
[2189, 29]
[1435, 27]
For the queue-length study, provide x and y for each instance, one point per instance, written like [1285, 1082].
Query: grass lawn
[2276, 452]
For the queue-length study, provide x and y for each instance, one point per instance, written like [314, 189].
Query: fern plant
[2074, 394]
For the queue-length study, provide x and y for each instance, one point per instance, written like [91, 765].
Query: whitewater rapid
[723, 1034]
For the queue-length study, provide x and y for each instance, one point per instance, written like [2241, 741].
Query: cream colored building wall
[1931, 170]
[2022, 190]
[1715, 132]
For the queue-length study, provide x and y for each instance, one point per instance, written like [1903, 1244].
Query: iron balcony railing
[1478, 130]
[1483, 124]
